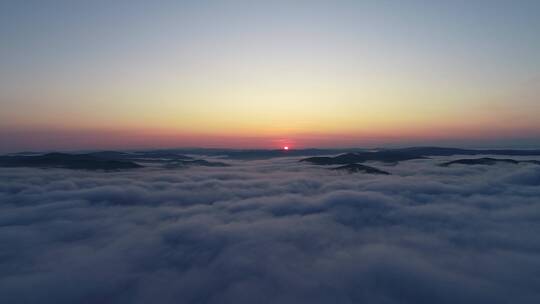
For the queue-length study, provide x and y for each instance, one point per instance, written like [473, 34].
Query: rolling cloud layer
[272, 231]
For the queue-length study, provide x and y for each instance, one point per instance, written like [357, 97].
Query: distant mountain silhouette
[487, 161]
[412, 151]
[356, 168]
[104, 160]
[440, 151]
[110, 154]
[165, 154]
[360, 157]
[252, 154]
[140, 155]
[115, 160]
[67, 161]
[196, 162]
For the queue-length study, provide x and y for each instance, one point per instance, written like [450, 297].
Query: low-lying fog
[272, 231]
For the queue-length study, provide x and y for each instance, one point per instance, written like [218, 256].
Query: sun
[286, 148]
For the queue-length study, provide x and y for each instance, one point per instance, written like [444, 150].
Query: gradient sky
[134, 74]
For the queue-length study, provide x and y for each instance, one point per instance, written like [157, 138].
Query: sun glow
[286, 148]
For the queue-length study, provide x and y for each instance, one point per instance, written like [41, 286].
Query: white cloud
[273, 231]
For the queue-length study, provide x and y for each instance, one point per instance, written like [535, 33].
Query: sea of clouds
[271, 231]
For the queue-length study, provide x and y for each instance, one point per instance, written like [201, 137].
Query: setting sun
[286, 148]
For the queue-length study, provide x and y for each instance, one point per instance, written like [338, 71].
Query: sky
[264, 74]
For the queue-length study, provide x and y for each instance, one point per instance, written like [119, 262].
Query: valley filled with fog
[272, 230]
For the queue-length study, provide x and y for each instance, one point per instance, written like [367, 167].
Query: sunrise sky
[265, 74]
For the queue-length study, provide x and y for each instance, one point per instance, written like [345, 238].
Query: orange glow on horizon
[107, 138]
